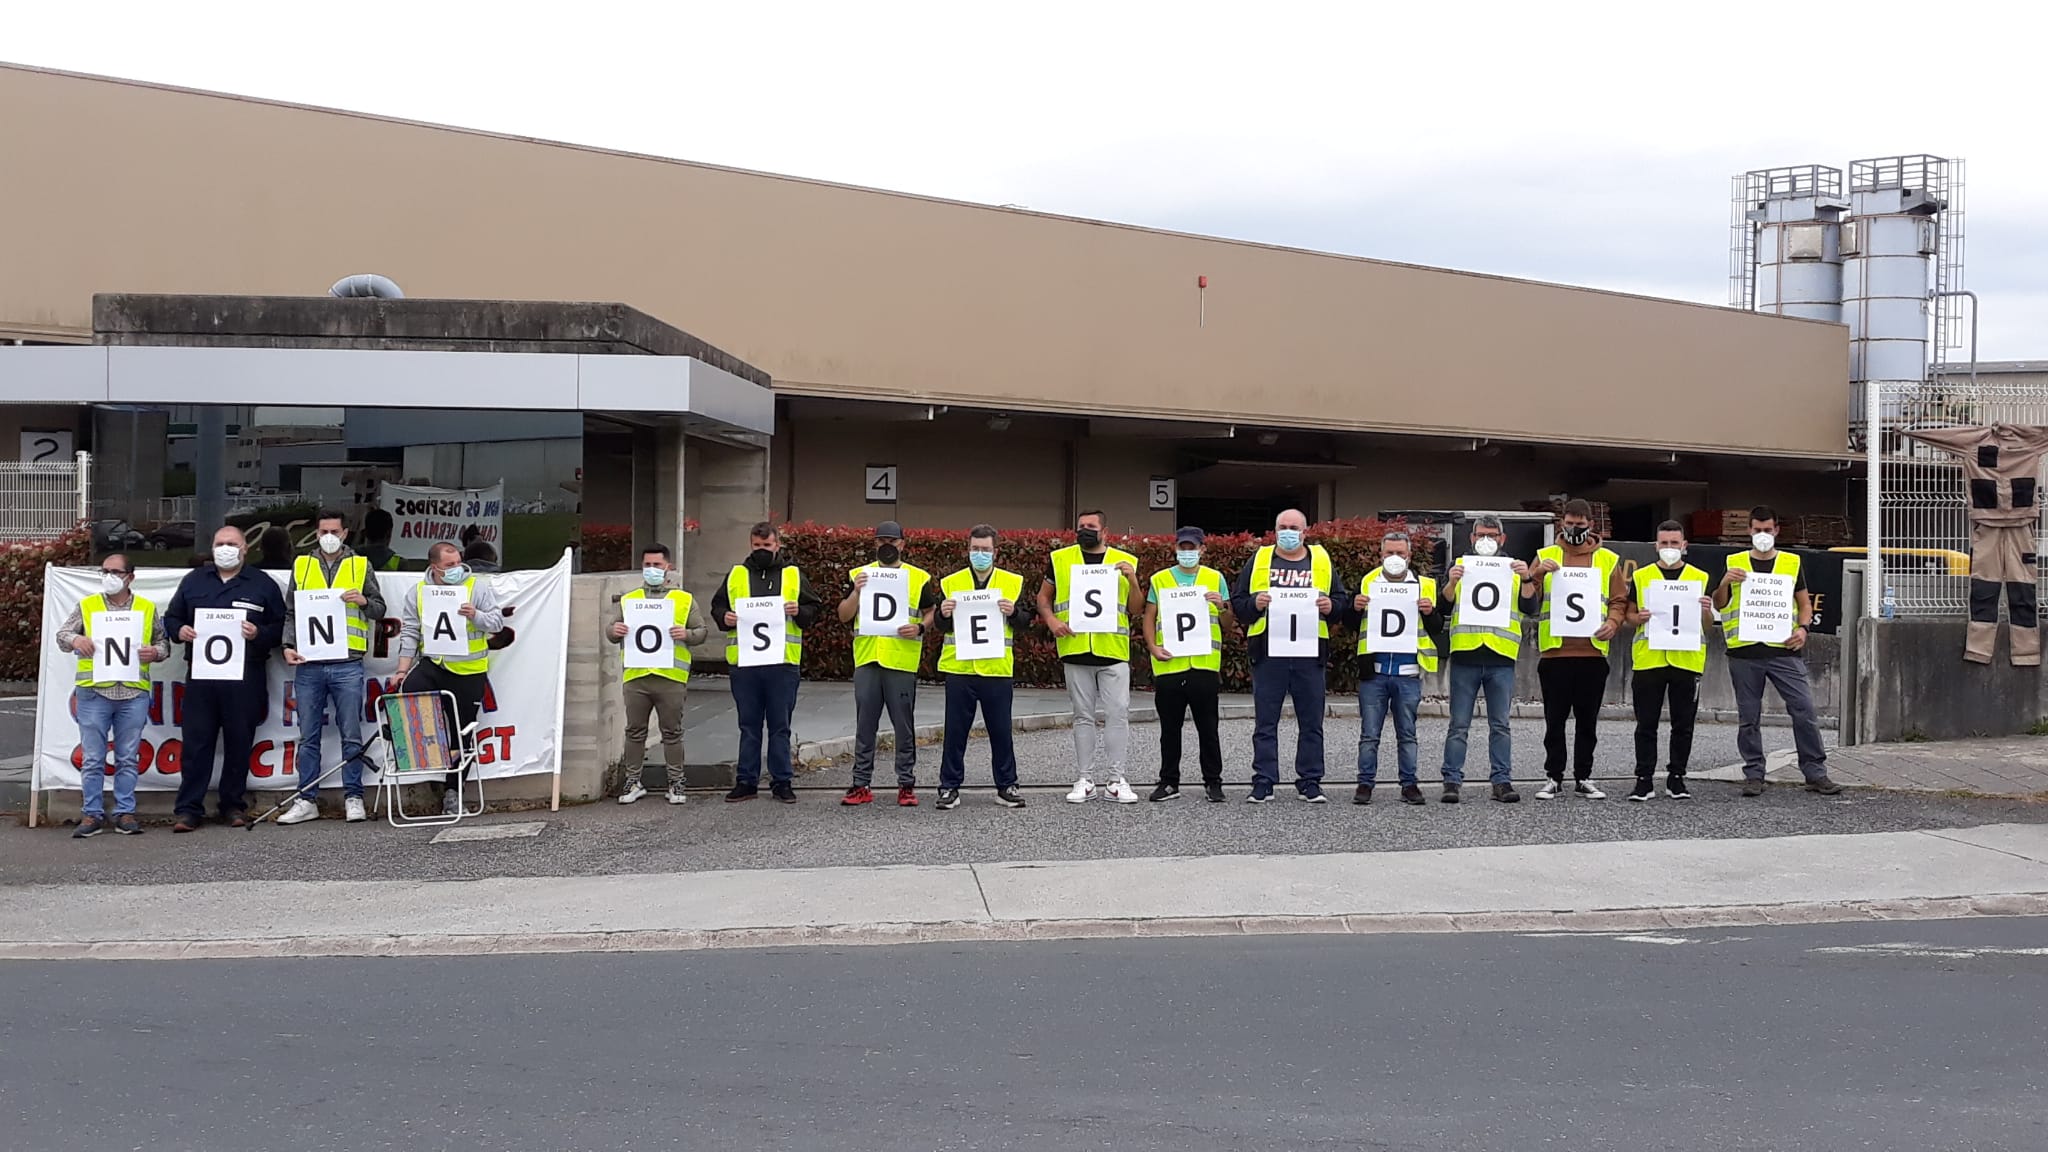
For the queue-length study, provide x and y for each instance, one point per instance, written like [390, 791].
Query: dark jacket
[252, 591]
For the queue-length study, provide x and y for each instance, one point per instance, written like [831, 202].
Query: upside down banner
[520, 734]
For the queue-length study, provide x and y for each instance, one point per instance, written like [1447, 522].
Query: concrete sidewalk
[2009, 766]
[1627, 886]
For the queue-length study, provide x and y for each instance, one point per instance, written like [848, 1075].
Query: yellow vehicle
[1937, 560]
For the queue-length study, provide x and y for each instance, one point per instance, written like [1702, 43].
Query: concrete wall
[1823, 670]
[1920, 687]
[839, 291]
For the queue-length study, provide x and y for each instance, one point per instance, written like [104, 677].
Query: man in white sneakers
[660, 693]
[1097, 664]
[339, 683]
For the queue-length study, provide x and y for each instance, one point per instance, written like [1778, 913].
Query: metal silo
[1888, 282]
[1787, 258]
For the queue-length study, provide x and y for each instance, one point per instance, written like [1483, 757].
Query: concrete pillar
[731, 487]
[209, 491]
[671, 471]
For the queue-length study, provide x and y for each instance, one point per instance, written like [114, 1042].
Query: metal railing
[44, 500]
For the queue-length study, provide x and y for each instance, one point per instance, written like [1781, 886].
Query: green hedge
[21, 597]
[826, 553]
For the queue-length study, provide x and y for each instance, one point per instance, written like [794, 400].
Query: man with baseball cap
[1181, 686]
[885, 670]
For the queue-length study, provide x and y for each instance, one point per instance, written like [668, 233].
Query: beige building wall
[120, 186]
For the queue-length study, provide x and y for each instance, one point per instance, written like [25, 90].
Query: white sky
[1588, 143]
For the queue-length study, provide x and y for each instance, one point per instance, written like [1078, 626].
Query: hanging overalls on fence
[2001, 468]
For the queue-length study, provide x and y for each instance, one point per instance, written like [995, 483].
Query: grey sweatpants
[1786, 673]
[876, 689]
[1105, 688]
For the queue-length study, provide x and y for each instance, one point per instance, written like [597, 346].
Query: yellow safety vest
[1115, 645]
[681, 602]
[479, 658]
[353, 574]
[893, 651]
[91, 607]
[1008, 586]
[1262, 579]
[737, 589]
[1603, 560]
[1206, 578]
[1784, 564]
[1472, 637]
[1643, 656]
[1425, 644]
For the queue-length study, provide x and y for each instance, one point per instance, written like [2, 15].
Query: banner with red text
[424, 517]
[522, 717]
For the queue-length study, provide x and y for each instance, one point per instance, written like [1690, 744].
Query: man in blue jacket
[223, 714]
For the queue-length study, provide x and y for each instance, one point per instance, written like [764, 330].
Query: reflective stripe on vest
[92, 606]
[479, 658]
[1115, 645]
[1605, 561]
[1783, 564]
[1206, 578]
[1008, 586]
[1643, 656]
[681, 601]
[1262, 580]
[896, 652]
[737, 588]
[1425, 644]
[352, 575]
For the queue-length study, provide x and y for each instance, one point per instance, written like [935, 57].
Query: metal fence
[42, 501]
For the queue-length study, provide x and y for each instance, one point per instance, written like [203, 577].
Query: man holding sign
[116, 635]
[765, 663]
[227, 688]
[980, 617]
[657, 622]
[1087, 599]
[1671, 607]
[890, 604]
[1394, 650]
[444, 643]
[1184, 611]
[1766, 632]
[1585, 594]
[1489, 596]
[1287, 590]
[329, 611]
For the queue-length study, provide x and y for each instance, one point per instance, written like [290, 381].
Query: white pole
[1873, 496]
[84, 469]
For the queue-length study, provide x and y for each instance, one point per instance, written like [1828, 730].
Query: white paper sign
[322, 623]
[978, 625]
[884, 601]
[1674, 608]
[117, 647]
[1767, 609]
[217, 644]
[443, 631]
[762, 630]
[1292, 622]
[1184, 620]
[1093, 591]
[1484, 600]
[1578, 602]
[1393, 617]
[647, 643]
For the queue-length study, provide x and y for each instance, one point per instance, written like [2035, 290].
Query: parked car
[116, 536]
[172, 534]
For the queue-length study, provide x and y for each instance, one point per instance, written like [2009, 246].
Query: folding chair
[425, 746]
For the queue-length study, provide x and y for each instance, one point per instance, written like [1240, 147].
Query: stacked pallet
[1816, 531]
[1731, 526]
[1603, 522]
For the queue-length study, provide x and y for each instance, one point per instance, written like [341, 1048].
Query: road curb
[961, 931]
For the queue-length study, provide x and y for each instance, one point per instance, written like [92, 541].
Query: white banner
[1674, 607]
[1578, 602]
[1393, 613]
[1483, 596]
[884, 602]
[978, 624]
[1184, 618]
[424, 517]
[1093, 591]
[1293, 625]
[1767, 609]
[521, 725]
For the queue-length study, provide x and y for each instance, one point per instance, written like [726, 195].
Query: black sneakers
[1165, 791]
[1645, 789]
[1009, 797]
[784, 791]
[1674, 787]
[1412, 794]
[1506, 794]
[949, 798]
[1452, 794]
[1362, 794]
[742, 792]
[1215, 793]
[1753, 787]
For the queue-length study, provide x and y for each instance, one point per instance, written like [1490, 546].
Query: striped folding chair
[419, 729]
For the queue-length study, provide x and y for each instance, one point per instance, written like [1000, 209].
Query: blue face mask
[982, 561]
[654, 576]
[455, 575]
[1288, 538]
[1188, 557]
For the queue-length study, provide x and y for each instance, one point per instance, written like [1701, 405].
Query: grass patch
[2038, 727]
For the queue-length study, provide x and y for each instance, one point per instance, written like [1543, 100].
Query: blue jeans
[1377, 695]
[996, 696]
[765, 698]
[1275, 680]
[98, 715]
[1467, 680]
[314, 686]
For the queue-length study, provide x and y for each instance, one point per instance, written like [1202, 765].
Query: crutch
[299, 789]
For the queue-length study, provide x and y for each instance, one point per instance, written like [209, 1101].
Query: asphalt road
[1724, 1041]
[17, 725]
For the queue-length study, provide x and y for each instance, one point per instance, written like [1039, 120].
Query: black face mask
[888, 553]
[1088, 538]
[761, 558]
[1576, 535]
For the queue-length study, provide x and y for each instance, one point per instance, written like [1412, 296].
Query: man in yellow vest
[104, 707]
[764, 696]
[985, 683]
[1483, 661]
[658, 692]
[1097, 665]
[1184, 685]
[1751, 665]
[885, 670]
[1288, 562]
[318, 683]
[1573, 669]
[1662, 672]
[466, 676]
[1391, 681]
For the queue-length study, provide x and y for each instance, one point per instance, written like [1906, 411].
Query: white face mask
[330, 543]
[227, 556]
[1763, 541]
[1485, 546]
[112, 583]
[1669, 557]
[1395, 566]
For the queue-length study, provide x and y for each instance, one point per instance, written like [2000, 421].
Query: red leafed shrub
[21, 596]
[608, 548]
[827, 553]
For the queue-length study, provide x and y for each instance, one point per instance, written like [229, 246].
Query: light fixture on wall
[1000, 422]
